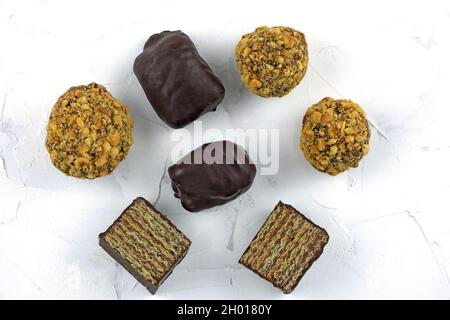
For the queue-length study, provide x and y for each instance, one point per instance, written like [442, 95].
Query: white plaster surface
[388, 220]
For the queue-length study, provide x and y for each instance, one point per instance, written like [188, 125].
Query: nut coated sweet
[89, 132]
[272, 61]
[335, 135]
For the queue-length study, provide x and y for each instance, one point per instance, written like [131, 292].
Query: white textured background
[389, 219]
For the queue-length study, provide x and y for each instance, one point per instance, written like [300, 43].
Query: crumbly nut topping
[335, 135]
[89, 132]
[272, 61]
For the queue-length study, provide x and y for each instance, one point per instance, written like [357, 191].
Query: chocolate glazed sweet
[211, 175]
[179, 84]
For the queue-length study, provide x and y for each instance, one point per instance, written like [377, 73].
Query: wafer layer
[285, 247]
[146, 243]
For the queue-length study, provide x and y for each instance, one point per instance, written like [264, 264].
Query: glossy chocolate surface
[179, 84]
[211, 175]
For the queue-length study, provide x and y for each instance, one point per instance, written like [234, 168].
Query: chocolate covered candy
[211, 175]
[179, 84]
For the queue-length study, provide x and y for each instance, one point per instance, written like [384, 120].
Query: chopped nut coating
[335, 135]
[89, 132]
[272, 61]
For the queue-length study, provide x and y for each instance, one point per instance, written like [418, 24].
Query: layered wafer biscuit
[145, 243]
[285, 247]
